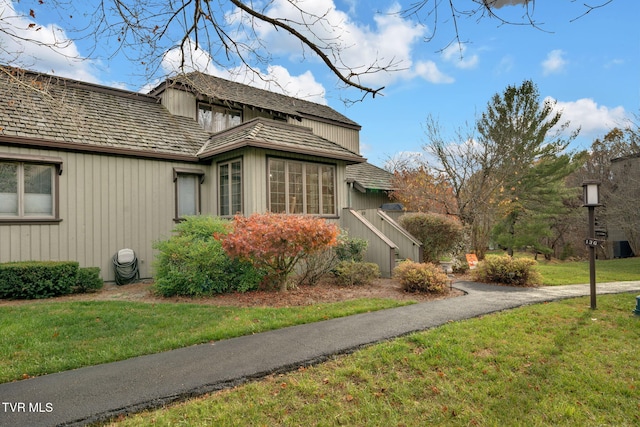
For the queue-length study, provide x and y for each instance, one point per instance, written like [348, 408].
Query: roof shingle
[370, 177]
[232, 92]
[63, 110]
[270, 134]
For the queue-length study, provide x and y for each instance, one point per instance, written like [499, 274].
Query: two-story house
[86, 170]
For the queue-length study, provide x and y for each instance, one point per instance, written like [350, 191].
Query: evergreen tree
[530, 162]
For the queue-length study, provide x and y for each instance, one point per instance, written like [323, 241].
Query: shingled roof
[369, 177]
[47, 110]
[230, 93]
[271, 134]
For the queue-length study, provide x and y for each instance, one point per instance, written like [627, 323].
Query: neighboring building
[86, 170]
[623, 207]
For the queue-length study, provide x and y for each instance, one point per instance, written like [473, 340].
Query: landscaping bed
[303, 295]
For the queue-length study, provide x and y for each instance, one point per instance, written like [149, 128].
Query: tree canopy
[506, 174]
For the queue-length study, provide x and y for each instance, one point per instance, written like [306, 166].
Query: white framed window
[29, 189]
[297, 187]
[187, 192]
[214, 118]
[230, 188]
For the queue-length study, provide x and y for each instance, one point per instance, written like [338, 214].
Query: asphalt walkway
[95, 393]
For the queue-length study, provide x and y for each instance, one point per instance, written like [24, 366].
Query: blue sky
[589, 65]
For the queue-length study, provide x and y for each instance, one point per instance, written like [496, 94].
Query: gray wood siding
[107, 203]
[368, 200]
[346, 137]
[180, 103]
[184, 104]
[381, 250]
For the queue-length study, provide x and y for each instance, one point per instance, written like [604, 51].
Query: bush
[88, 280]
[316, 266]
[421, 277]
[507, 270]
[352, 273]
[351, 249]
[37, 279]
[275, 243]
[438, 233]
[193, 262]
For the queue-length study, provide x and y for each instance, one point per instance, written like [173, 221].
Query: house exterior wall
[346, 137]
[106, 203]
[368, 200]
[182, 103]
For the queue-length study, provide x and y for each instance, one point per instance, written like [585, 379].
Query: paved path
[98, 392]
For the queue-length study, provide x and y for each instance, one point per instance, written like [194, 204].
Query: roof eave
[245, 143]
[94, 149]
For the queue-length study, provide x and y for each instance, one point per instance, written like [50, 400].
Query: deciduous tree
[506, 169]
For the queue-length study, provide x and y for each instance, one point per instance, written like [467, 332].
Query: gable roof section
[271, 134]
[366, 176]
[55, 112]
[232, 93]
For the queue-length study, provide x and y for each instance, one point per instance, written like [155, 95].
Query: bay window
[301, 188]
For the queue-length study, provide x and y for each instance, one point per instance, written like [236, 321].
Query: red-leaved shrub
[276, 242]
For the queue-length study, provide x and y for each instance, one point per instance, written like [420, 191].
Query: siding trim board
[94, 149]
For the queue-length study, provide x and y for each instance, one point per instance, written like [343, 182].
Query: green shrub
[37, 279]
[507, 270]
[438, 233]
[351, 249]
[193, 263]
[421, 277]
[318, 265]
[352, 273]
[88, 280]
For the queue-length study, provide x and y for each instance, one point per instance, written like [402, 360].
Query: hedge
[37, 279]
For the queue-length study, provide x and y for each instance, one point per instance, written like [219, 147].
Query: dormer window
[214, 118]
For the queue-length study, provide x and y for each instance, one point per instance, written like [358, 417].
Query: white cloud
[388, 43]
[555, 63]
[46, 48]
[276, 78]
[593, 119]
[428, 70]
[505, 65]
[456, 54]
[614, 63]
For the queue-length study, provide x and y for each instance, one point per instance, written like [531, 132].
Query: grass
[552, 364]
[555, 272]
[571, 273]
[555, 364]
[42, 338]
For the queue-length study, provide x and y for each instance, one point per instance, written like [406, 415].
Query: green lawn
[47, 337]
[570, 273]
[549, 364]
[557, 364]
